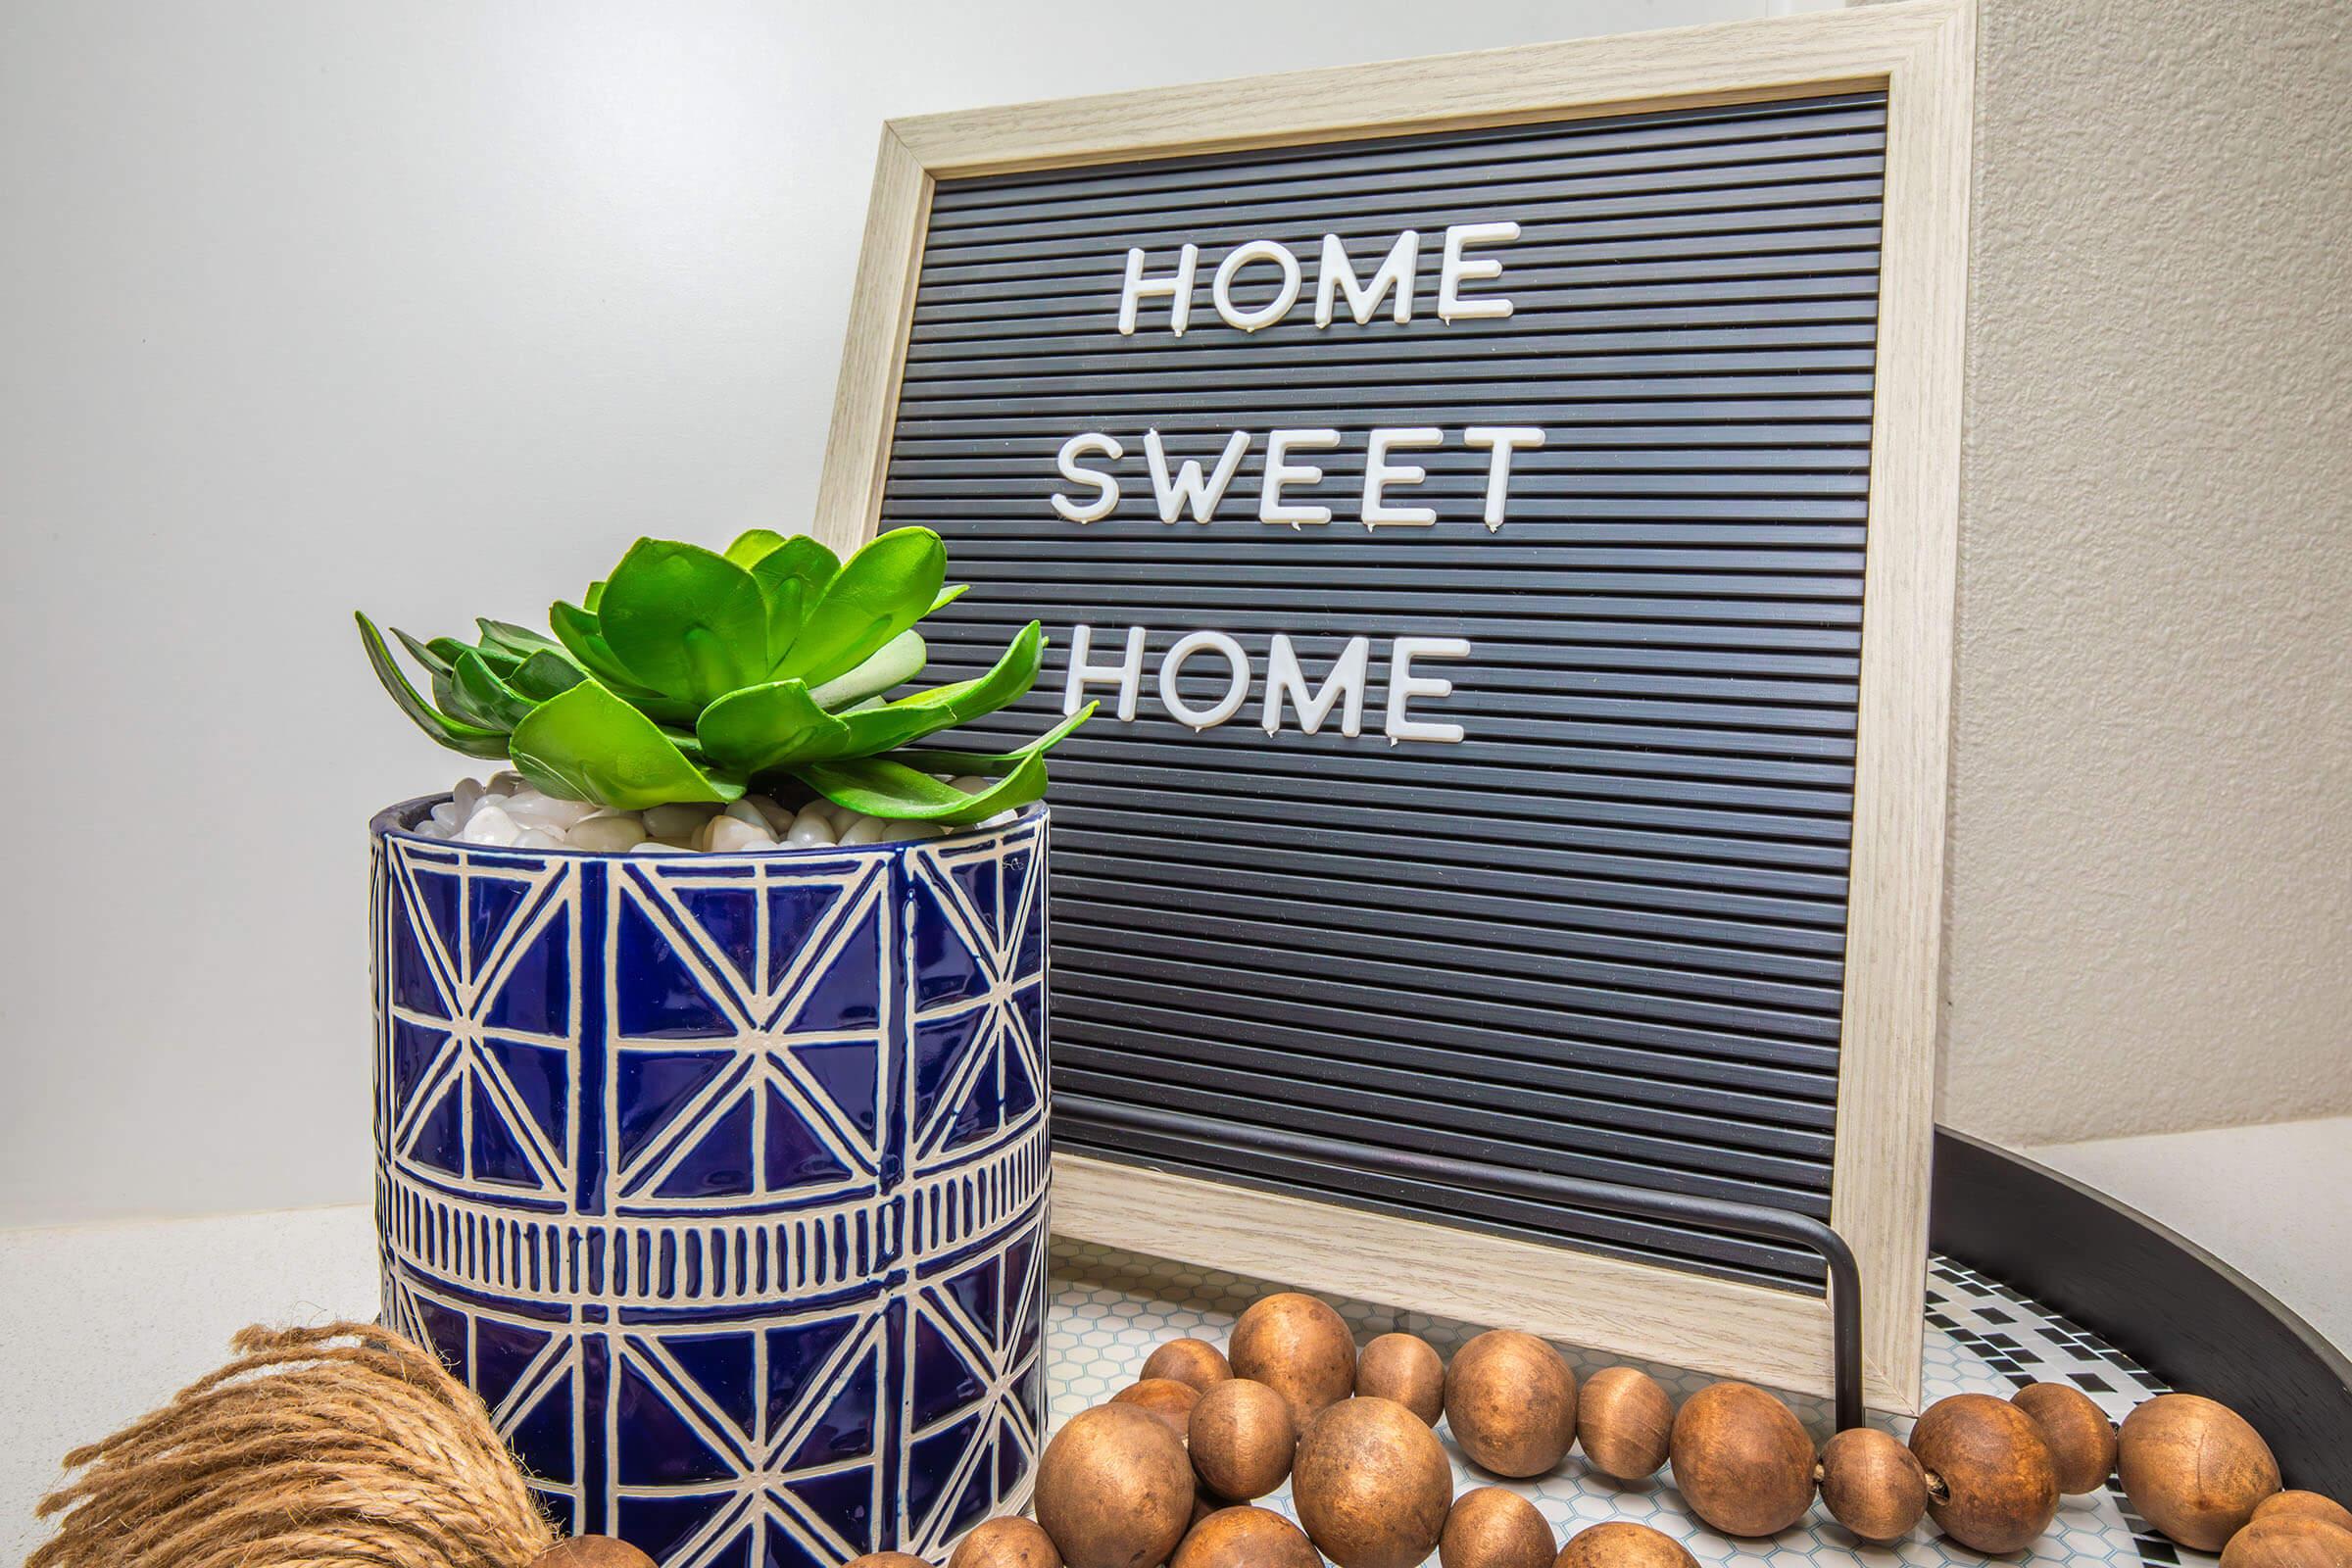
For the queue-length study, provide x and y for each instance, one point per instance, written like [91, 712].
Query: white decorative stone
[607, 834]
[778, 817]
[490, 825]
[657, 847]
[909, 832]
[678, 821]
[538, 838]
[447, 815]
[727, 835]
[866, 830]
[535, 810]
[812, 829]
[507, 782]
[972, 783]
[431, 829]
[744, 810]
[464, 797]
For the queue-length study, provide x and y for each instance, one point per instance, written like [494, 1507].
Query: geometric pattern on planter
[721, 1178]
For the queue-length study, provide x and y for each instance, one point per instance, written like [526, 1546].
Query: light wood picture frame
[1921, 53]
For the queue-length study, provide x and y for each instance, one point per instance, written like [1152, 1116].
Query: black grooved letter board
[1604, 934]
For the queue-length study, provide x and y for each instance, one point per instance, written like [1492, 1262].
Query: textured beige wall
[2152, 820]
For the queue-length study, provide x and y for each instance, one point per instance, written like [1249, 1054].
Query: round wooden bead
[1165, 1398]
[1008, 1542]
[1242, 1439]
[2289, 1541]
[1872, 1485]
[1624, 1423]
[1298, 1347]
[1622, 1543]
[1407, 1368]
[1510, 1403]
[1371, 1485]
[2307, 1505]
[872, 1559]
[1245, 1538]
[1493, 1527]
[1742, 1460]
[2081, 1438]
[2194, 1468]
[1998, 1489]
[1193, 1361]
[608, 1552]
[1114, 1489]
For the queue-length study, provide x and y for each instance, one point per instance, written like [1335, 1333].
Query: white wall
[427, 308]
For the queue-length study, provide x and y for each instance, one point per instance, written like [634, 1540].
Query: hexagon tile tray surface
[1110, 1308]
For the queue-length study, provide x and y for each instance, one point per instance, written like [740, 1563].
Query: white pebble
[535, 810]
[811, 829]
[843, 818]
[464, 797]
[911, 832]
[972, 783]
[506, 782]
[777, 817]
[447, 815]
[657, 847]
[538, 838]
[731, 835]
[607, 835]
[678, 821]
[489, 825]
[745, 811]
[431, 829]
[866, 830]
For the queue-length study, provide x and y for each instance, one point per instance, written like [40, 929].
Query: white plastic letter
[1176, 288]
[1404, 686]
[1281, 471]
[1236, 686]
[1503, 439]
[1094, 443]
[1394, 272]
[1220, 289]
[1451, 306]
[1188, 485]
[1284, 678]
[1380, 473]
[1128, 673]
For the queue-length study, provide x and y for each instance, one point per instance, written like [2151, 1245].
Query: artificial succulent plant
[693, 675]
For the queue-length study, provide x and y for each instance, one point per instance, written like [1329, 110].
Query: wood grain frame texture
[1922, 52]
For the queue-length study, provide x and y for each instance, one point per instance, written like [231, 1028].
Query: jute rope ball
[1245, 1538]
[1742, 1460]
[1622, 1543]
[1995, 1489]
[1008, 1542]
[1298, 1347]
[1510, 1403]
[1114, 1489]
[1407, 1368]
[1494, 1527]
[2194, 1468]
[1240, 1439]
[1193, 1361]
[1372, 1484]
[339, 1445]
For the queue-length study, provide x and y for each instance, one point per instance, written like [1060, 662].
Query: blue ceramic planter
[722, 1178]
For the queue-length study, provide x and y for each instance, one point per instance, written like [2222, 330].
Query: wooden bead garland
[1117, 1488]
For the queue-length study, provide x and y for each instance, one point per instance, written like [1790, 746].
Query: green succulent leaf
[881, 591]
[751, 544]
[684, 621]
[898, 661]
[469, 739]
[582, 636]
[588, 745]
[434, 655]
[545, 674]
[791, 577]
[881, 787]
[871, 732]
[993, 765]
[765, 727]
[487, 699]
[519, 641]
[948, 596]
[595, 595]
